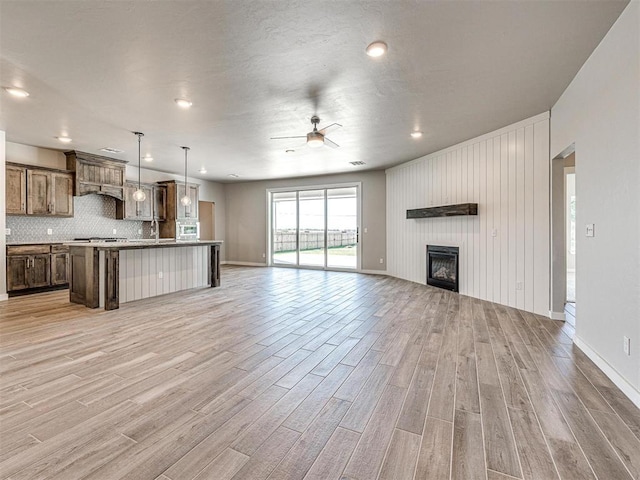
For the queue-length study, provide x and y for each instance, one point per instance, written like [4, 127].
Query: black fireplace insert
[442, 267]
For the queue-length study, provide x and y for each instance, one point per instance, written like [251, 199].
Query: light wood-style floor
[292, 374]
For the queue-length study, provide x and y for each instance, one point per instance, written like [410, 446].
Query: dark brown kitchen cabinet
[38, 191]
[37, 266]
[28, 267]
[129, 209]
[16, 190]
[160, 202]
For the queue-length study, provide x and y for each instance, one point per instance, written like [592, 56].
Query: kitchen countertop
[143, 243]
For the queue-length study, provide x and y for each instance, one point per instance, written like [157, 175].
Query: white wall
[3, 240]
[507, 173]
[600, 112]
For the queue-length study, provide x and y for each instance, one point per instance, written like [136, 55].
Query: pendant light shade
[186, 199]
[139, 195]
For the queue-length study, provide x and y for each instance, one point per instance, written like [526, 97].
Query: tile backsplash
[94, 216]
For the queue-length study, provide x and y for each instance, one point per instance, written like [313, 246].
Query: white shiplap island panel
[150, 272]
[504, 250]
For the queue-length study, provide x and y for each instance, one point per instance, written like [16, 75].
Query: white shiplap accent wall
[182, 268]
[507, 173]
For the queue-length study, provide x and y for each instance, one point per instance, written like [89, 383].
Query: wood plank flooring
[293, 374]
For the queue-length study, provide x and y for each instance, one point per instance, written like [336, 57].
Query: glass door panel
[342, 227]
[284, 228]
[312, 224]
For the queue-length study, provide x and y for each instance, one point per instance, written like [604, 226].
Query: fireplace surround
[442, 267]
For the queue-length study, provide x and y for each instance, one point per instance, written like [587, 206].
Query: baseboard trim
[243, 264]
[557, 315]
[4, 296]
[374, 272]
[620, 382]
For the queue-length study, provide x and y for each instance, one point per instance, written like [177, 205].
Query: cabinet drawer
[27, 249]
[59, 248]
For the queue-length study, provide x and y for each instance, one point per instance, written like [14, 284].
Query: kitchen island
[106, 274]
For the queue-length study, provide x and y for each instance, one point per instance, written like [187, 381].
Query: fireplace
[442, 267]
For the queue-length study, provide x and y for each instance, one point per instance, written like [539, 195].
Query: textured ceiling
[97, 70]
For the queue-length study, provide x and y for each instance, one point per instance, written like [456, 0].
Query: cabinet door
[130, 205]
[40, 271]
[38, 198]
[16, 190]
[189, 211]
[145, 209]
[17, 278]
[59, 268]
[160, 203]
[193, 195]
[62, 194]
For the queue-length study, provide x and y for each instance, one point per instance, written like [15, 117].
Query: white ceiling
[97, 70]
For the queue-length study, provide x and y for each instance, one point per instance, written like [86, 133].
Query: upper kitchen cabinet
[38, 191]
[16, 190]
[160, 202]
[97, 174]
[129, 209]
[175, 209]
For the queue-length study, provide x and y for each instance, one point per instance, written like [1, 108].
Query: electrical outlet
[626, 345]
[139, 231]
[264, 255]
[382, 260]
[366, 230]
[591, 230]
[49, 231]
[494, 232]
[519, 286]
[160, 275]
[7, 231]
[115, 231]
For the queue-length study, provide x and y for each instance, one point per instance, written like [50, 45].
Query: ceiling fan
[316, 138]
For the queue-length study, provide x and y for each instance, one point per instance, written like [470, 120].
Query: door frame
[326, 186]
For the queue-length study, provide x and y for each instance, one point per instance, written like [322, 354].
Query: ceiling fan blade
[333, 126]
[329, 143]
[286, 138]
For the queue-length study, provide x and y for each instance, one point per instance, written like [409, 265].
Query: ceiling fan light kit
[315, 138]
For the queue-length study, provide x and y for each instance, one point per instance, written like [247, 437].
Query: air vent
[357, 164]
[111, 150]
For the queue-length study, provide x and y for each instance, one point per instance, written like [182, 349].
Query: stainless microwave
[187, 230]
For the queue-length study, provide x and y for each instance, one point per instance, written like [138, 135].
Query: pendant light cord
[139, 140]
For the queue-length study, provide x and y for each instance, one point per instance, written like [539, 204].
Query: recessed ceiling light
[183, 102]
[16, 92]
[416, 134]
[148, 158]
[289, 150]
[377, 49]
[111, 150]
[234, 175]
[64, 139]
[202, 170]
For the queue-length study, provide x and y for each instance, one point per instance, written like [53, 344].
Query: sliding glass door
[316, 228]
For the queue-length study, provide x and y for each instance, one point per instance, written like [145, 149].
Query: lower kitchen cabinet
[37, 266]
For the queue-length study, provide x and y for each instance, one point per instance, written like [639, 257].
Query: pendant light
[186, 200]
[139, 195]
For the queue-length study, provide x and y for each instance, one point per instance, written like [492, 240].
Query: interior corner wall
[504, 250]
[3, 219]
[600, 112]
[246, 203]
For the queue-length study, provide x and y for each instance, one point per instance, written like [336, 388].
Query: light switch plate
[590, 230]
[49, 231]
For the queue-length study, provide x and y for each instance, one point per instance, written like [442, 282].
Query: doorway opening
[315, 227]
[563, 236]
